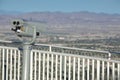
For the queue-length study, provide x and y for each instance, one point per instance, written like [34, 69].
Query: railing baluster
[113, 71]
[43, 67]
[98, 70]
[64, 67]
[83, 69]
[78, 69]
[31, 65]
[11, 64]
[35, 64]
[60, 67]
[39, 67]
[74, 64]
[14, 64]
[52, 67]
[7, 64]
[103, 71]
[47, 66]
[88, 69]
[108, 70]
[18, 65]
[93, 71]
[69, 68]
[3, 63]
[118, 69]
[56, 74]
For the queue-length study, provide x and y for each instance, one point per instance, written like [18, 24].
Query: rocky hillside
[70, 23]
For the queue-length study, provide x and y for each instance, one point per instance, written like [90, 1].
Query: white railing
[10, 63]
[57, 66]
[48, 64]
[77, 51]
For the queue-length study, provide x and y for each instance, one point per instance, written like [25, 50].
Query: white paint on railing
[14, 62]
[39, 67]
[76, 51]
[98, 70]
[74, 66]
[83, 69]
[18, 66]
[35, 62]
[11, 64]
[7, 66]
[3, 64]
[78, 68]
[64, 67]
[31, 66]
[51, 66]
[48, 65]
[60, 67]
[69, 68]
[43, 73]
[93, 67]
[103, 70]
[118, 69]
[10, 61]
[113, 71]
[88, 69]
[56, 66]
[108, 70]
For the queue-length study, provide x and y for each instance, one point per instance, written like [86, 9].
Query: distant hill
[9, 12]
[70, 23]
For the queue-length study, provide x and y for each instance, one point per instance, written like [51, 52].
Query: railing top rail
[49, 45]
[79, 56]
[90, 50]
[9, 47]
[103, 55]
[3, 41]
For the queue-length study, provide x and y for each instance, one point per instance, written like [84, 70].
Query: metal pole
[26, 62]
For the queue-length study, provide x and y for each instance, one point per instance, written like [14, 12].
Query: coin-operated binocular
[28, 34]
[25, 30]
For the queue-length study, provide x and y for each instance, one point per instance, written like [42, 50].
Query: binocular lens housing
[16, 22]
[23, 29]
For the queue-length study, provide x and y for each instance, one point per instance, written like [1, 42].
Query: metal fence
[59, 63]
[10, 63]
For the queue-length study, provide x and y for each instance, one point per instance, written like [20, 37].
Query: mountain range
[69, 23]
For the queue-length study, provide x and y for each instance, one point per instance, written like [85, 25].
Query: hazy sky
[106, 6]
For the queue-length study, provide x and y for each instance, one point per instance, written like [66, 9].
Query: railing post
[50, 48]
[109, 56]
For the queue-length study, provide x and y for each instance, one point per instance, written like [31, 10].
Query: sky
[98, 6]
